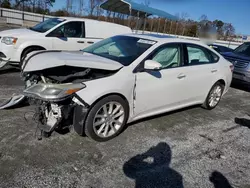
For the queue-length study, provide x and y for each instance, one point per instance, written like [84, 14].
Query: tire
[113, 124]
[208, 103]
[26, 52]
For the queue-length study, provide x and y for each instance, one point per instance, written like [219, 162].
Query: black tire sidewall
[206, 104]
[88, 127]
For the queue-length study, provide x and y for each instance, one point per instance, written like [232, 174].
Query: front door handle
[214, 70]
[181, 76]
[80, 41]
[90, 42]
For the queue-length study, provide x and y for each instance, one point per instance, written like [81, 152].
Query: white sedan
[122, 79]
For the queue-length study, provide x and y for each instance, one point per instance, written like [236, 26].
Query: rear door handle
[90, 42]
[214, 70]
[181, 76]
[80, 41]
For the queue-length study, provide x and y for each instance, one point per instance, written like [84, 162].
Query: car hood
[235, 56]
[17, 32]
[50, 59]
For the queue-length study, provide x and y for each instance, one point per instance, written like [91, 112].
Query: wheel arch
[109, 94]
[222, 81]
[30, 47]
[79, 126]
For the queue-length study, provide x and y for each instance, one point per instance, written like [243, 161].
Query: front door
[69, 36]
[159, 91]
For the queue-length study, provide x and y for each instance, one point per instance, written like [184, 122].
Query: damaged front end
[53, 92]
[54, 104]
[52, 79]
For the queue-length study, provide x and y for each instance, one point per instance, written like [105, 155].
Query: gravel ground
[180, 149]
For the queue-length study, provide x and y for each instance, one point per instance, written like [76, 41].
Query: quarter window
[168, 56]
[70, 30]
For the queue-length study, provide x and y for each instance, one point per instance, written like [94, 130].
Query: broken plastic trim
[4, 63]
[13, 101]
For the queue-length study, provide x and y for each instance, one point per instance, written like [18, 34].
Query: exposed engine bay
[66, 74]
[53, 92]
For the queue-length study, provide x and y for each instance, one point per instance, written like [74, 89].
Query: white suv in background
[56, 33]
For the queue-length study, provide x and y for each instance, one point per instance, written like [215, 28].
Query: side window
[198, 55]
[69, 30]
[168, 56]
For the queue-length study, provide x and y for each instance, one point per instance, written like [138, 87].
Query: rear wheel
[214, 96]
[107, 118]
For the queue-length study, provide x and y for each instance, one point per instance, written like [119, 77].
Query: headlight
[53, 91]
[9, 40]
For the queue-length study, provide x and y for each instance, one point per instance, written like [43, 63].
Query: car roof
[165, 39]
[88, 20]
[217, 45]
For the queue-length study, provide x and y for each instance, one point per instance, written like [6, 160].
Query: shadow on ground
[9, 70]
[240, 85]
[243, 122]
[219, 180]
[152, 169]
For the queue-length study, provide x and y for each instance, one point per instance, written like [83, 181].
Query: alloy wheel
[109, 119]
[215, 96]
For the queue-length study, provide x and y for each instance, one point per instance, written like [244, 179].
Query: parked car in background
[220, 48]
[56, 33]
[240, 57]
[122, 79]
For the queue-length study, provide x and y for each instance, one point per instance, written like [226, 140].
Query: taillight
[232, 67]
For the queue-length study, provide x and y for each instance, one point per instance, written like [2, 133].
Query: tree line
[90, 9]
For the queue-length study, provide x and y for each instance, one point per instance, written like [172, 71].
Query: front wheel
[214, 96]
[107, 118]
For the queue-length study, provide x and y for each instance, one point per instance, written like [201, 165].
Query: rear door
[69, 36]
[201, 70]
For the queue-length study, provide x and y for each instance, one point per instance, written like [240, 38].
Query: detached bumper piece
[3, 63]
[13, 101]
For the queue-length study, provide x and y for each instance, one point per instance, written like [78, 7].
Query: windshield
[243, 49]
[123, 49]
[47, 25]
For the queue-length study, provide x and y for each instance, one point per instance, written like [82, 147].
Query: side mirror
[152, 65]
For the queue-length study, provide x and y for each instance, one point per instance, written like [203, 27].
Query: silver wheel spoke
[111, 106]
[117, 122]
[118, 115]
[116, 109]
[101, 128]
[105, 110]
[106, 130]
[113, 128]
[100, 116]
[99, 122]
